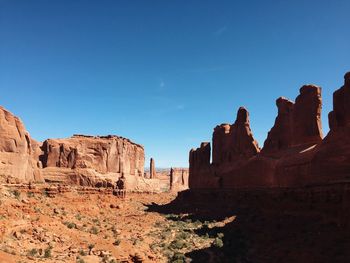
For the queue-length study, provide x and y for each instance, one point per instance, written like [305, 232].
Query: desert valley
[288, 201]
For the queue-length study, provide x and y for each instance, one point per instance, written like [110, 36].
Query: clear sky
[165, 73]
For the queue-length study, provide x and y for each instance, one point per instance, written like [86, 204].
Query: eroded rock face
[103, 154]
[232, 143]
[332, 158]
[200, 167]
[286, 157]
[152, 169]
[297, 123]
[178, 179]
[17, 151]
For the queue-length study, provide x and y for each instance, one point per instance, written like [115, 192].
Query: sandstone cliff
[294, 153]
[178, 179]
[17, 151]
[92, 160]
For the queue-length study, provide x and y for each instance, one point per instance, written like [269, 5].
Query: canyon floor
[92, 225]
[87, 227]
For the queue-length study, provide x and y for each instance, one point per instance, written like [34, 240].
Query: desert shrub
[78, 217]
[82, 253]
[48, 252]
[94, 230]
[117, 242]
[178, 258]
[16, 194]
[183, 235]
[30, 194]
[33, 252]
[177, 244]
[70, 225]
[218, 242]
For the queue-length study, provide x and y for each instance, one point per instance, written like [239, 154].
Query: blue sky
[165, 73]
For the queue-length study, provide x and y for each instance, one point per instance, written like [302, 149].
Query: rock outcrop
[91, 160]
[294, 153]
[233, 143]
[103, 154]
[297, 123]
[17, 151]
[152, 169]
[332, 158]
[200, 167]
[178, 179]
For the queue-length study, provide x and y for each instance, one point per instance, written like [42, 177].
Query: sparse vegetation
[94, 230]
[218, 242]
[33, 252]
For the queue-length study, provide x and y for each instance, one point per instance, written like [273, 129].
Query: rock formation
[296, 124]
[200, 167]
[152, 169]
[294, 153]
[88, 159]
[101, 153]
[178, 179]
[332, 158]
[232, 143]
[17, 151]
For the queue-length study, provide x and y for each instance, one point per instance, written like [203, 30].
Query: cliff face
[17, 151]
[83, 160]
[92, 160]
[178, 179]
[332, 159]
[294, 153]
[103, 154]
[232, 143]
[297, 123]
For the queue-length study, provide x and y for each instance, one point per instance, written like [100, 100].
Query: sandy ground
[75, 227]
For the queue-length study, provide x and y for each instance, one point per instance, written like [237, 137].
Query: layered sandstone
[17, 151]
[101, 153]
[92, 160]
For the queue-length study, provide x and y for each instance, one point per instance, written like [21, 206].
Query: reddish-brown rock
[17, 151]
[296, 124]
[233, 143]
[178, 179]
[332, 158]
[152, 169]
[92, 160]
[103, 154]
[287, 154]
[200, 168]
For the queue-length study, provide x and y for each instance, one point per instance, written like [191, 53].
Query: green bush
[177, 244]
[33, 252]
[218, 242]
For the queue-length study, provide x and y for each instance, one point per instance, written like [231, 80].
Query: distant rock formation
[178, 179]
[17, 151]
[152, 169]
[294, 153]
[102, 154]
